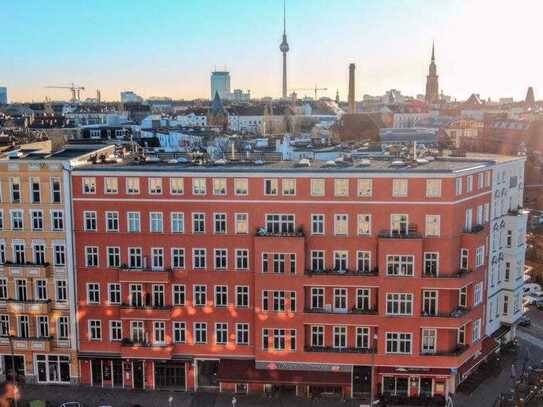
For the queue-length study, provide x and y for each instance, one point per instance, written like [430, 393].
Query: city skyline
[170, 49]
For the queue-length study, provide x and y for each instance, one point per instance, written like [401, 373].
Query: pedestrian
[234, 401]
[513, 371]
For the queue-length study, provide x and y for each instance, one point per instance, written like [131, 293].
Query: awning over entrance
[98, 355]
[488, 346]
[398, 371]
[239, 371]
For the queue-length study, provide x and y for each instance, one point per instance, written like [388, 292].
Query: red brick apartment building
[328, 278]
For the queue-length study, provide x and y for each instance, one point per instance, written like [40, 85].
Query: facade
[351, 279]
[432, 84]
[37, 328]
[3, 95]
[220, 83]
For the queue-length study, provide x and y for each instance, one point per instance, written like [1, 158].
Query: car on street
[71, 404]
[532, 299]
[539, 305]
[524, 321]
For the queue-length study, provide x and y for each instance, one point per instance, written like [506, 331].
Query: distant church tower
[432, 86]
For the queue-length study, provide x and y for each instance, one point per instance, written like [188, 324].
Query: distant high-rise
[284, 49]
[351, 101]
[530, 98]
[432, 85]
[129, 97]
[3, 95]
[220, 83]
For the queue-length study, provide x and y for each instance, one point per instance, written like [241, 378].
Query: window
[111, 185]
[400, 265]
[57, 220]
[1, 215]
[220, 223]
[317, 336]
[341, 260]
[63, 328]
[363, 260]
[363, 300]
[93, 293]
[340, 337]
[241, 186]
[219, 186]
[114, 293]
[199, 257]
[364, 225]
[341, 224]
[317, 260]
[429, 341]
[279, 224]
[464, 257]
[242, 259]
[179, 332]
[317, 224]
[4, 325]
[278, 301]
[114, 257]
[155, 186]
[317, 297]
[95, 330]
[200, 332]
[200, 295]
[480, 256]
[480, 180]
[23, 328]
[463, 297]
[429, 302]
[89, 185]
[507, 271]
[19, 252]
[365, 187]
[198, 222]
[265, 339]
[270, 186]
[289, 186]
[242, 296]
[399, 187]
[16, 219]
[279, 339]
[242, 223]
[137, 332]
[37, 219]
[133, 222]
[318, 186]
[112, 221]
[509, 239]
[242, 334]
[221, 296]
[398, 223]
[61, 288]
[399, 304]
[177, 186]
[469, 183]
[469, 220]
[340, 299]
[178, 258]
[362, 337]
[156, 222]
[477, 330]
[478, 294]
[199, 186]
[91, 257]
[177, 220]
[135, 258]
[41, 290]
[90, 220]
[178, 291]
[461, 335]
[159, 332]
[431, 264]
[2, 252]
[42, 326]
[136, 295]
[132, 186]
[458, 186]
[38, 252]
[398, 342]
[221, 333]
[341, 187]
[55, 190]
[433, 188]
[15, 190]
[157, 258]
[433, 225]
[115, 330]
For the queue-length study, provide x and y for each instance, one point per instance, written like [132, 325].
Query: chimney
[351, 108]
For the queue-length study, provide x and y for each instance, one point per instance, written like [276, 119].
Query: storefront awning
[488, 346]
[244, 371]
[98, 355]
[398, 371]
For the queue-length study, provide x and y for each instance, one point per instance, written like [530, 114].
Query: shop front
[52, 369]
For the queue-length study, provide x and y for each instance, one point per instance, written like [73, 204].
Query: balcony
[475, 229]
[333, 349]
[456, 313]
[42, 344]
[330, 310]
[144, 274]
[145, 349]
[456, 274]
[397, 234]
[336, 272]
[29, 306]
[286, 232]
[144, 311]
[28, 270]
[457, 351]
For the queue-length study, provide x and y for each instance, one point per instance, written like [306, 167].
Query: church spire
[433, 54]
[432, 84]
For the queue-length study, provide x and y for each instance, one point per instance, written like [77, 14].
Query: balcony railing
[333, 349]
[457, 274]
[457, 351]
[354, 310]
[474, 229]
[456, 313]
[26, 264]
[335, 272]
[126, 267]
[143, 343]
[263, 232]
[146, 307]
[397, 234]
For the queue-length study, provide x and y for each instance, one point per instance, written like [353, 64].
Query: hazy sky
[169, 47]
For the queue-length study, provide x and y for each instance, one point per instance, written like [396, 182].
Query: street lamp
[374, 351]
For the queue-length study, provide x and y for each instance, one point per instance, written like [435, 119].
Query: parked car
[524, 321]
[71, 404]
[531, 299]
[539, 304]
[532, 289]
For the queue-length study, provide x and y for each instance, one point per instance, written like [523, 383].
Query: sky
[169, 47]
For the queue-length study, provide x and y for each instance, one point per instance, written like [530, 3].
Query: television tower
[284, 49]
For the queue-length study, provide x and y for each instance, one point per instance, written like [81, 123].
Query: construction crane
[75, 89]
[315, 89]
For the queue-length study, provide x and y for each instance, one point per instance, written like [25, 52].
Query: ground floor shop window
[242, 388]
[170, 375]
[53, 369]
[426, 387]
[396, 386]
